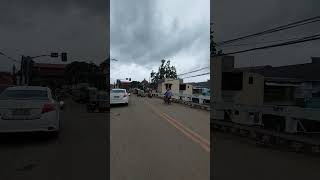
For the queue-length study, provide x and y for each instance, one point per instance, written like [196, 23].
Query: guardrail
[202, 102]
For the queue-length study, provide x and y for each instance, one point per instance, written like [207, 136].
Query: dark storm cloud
[138, 34]
[144, 32]
[35, 27]
[234, 18]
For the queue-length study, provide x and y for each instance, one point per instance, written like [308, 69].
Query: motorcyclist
[168, 94]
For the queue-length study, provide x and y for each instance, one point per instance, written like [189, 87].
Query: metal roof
[306, 72]
[48, 65]
[27, 88]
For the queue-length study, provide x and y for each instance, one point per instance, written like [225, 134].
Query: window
[118, 91]
[183, 87]
[24, 94]
[232, 81]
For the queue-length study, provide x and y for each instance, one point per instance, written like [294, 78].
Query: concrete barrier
[187, 103]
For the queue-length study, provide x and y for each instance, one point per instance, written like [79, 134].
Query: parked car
[98, 101]
[29, 109]
[119, 96]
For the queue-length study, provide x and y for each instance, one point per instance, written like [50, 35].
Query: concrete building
[292, 85]
[297, 84]
[173, 84]
[185, 89]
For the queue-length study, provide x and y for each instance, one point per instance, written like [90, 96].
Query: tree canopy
[213, 49]
[83, 72]
[165, 71]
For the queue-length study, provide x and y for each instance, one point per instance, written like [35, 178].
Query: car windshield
[24, 94]
[118, 91]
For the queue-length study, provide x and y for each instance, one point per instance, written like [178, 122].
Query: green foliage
[83, 72]
[213, 50]
[164, 71]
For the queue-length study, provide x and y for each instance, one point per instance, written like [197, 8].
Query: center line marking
[186, 131]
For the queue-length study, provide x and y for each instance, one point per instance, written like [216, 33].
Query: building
[186, 89]
[265, 86]
[173, 84]
[123, 84]
[144, 83]
[45, 74]
[297, 84]
[6, 80]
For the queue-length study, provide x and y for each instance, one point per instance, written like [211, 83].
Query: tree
[82, 72]
[164, 71]
[135, 84]
[213, 49]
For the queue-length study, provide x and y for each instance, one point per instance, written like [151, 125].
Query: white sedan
[29, 109]
[119, 96]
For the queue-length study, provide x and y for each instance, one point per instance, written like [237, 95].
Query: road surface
[238, 158]
[79, 153]
[152, 140]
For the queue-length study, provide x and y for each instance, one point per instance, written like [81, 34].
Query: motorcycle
[167, 100]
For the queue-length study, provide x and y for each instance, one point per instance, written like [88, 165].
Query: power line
[272, 30]
[261, 42]
[12, 59]
[193, 71]
[301, 40]
[196, 75]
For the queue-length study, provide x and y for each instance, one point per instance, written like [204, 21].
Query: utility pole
[14, 75]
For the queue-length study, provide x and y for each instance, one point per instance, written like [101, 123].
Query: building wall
[187, 91]
[251, 94]
[216, 74]
[175, 85]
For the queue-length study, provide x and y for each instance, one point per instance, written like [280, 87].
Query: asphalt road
[152, 140]
[238, 158]
[80, 152]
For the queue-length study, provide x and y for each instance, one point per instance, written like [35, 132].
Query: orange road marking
[186, 131]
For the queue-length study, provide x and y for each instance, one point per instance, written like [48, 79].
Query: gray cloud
[34, 27]
[144, 32]
[234, 18]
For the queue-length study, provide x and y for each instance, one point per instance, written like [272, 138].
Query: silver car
[119, 96]
[29, 109]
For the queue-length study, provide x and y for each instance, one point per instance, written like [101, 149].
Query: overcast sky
[234, 18]
[34, 27]
[143, 32]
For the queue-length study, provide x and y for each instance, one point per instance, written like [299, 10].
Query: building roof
[307, 71]
[46, 69]
[144, 81]
[125, 81]
[205, 84]
[49, 65]
[28, 88]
